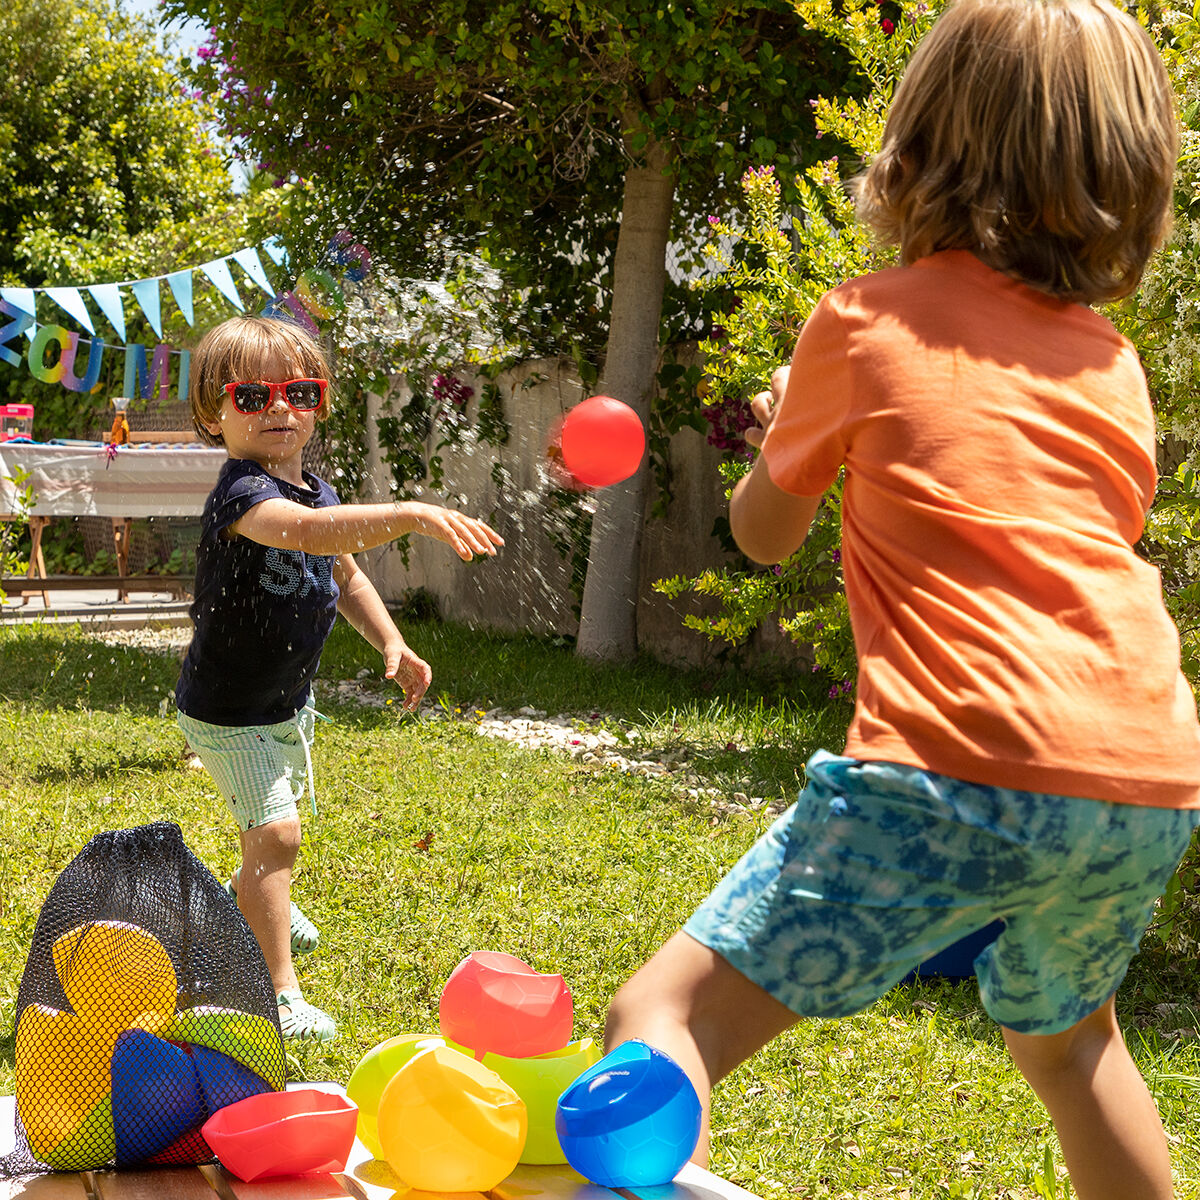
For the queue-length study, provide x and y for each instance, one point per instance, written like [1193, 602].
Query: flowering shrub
[778, 269]
[728, 420]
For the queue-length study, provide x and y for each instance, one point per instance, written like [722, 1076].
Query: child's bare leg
[264, 892]
[690, 1003]
[1110, 1131]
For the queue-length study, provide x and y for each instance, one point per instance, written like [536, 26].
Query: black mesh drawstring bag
[144, 1008]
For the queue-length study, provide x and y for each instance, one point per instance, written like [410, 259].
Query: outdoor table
[363, 1179]
[86, 479]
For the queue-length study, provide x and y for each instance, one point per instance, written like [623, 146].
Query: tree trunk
[608, 619]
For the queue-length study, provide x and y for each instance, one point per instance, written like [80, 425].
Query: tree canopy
[96, 141]
[512, 123]
[572, 142]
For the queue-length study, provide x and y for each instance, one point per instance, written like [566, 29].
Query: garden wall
[527, 587]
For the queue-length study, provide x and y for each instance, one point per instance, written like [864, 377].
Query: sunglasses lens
[251, 397]
[304, 393]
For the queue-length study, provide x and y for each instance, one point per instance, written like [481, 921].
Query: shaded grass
[432, 842]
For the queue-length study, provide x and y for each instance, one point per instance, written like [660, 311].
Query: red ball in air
[602, 441]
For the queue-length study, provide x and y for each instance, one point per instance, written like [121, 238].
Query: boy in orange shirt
[1024, 745]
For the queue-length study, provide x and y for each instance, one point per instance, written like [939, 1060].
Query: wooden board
[176, 1183]
[44, 1187]
[692, 1183]
[365, 1178]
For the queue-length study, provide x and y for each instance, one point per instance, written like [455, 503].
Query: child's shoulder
[234, 470]
[944, 272]
[952, 288]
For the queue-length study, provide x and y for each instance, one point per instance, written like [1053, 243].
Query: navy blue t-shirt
[261, 614]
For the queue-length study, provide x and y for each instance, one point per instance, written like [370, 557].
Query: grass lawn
[433, 841]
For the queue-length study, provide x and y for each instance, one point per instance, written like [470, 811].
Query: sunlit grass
[432, 842]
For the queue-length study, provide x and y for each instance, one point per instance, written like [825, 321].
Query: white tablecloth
[139, 481]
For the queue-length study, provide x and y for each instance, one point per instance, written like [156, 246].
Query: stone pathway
[589, 740]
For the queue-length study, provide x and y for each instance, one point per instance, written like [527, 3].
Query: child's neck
[289, 469]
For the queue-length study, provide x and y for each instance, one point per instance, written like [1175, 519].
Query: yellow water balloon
[449, 1124]
[374, 1072]
[539, 1080]
[62, 1074]
[116, 974]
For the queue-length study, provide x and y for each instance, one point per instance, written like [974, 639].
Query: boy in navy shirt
[274, 567]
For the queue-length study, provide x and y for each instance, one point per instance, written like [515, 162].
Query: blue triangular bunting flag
[71, 302]
[249, 261]
[218, 272]
[274, 247]
[145, 291]
[108, 297]
[20, 297]
[181, 289]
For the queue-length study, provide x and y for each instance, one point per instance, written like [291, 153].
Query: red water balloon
[602, 441]
[495, 1002]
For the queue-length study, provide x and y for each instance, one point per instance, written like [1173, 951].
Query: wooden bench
[364, 1179]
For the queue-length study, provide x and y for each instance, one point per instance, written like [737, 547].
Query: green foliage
[1163, 317]
[12, 530]
[777, 262]
[96, 140]
[506, 129]
[109, 171]
[1172, 542]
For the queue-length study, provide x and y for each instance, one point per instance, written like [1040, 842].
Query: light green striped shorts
[261, 771]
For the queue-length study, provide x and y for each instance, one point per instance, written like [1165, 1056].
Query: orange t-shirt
[999, 454]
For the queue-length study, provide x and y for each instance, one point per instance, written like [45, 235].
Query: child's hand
[763, 407]
[466, 536]
[413, 674]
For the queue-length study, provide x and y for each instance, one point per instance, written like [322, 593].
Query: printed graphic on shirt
[289, 572]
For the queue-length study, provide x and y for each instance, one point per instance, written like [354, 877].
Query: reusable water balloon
[116, 974]
[539, 1081]
[449, 1124]
[630, 1121]
[301, 1132]
[374, 1072]
[602, 441]
[156, 1095]
[495, 1002]
[116, 977]
[249, 1038]
[63, 1087]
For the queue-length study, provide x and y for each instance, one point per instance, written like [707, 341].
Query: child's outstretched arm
[768, 523]
[349, 528]
[361, 605]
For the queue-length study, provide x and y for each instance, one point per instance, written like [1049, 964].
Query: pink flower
[888, 26]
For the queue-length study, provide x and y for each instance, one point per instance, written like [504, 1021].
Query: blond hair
[240, 349]
[1038, 134]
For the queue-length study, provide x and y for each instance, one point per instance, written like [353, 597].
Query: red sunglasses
[302, 395]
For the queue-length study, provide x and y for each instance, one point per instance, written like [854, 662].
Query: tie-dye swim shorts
[879, 866]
